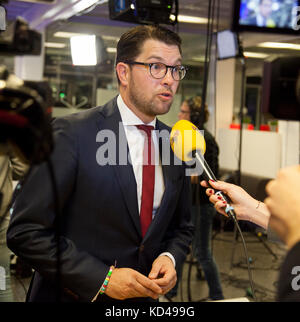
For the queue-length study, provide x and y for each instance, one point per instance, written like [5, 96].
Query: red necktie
[148, 179]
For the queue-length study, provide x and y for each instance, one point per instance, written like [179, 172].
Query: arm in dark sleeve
[289, 278]
[31, 233]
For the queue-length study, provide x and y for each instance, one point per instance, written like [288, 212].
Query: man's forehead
[160, 50]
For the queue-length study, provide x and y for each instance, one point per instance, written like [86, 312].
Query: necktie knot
[146, 128]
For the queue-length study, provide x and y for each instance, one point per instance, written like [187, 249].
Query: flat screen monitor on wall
[274, 16]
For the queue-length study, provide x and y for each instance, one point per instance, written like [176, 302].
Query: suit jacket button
[141, 248]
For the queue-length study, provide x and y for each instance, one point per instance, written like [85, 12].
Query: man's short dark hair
[131, 42]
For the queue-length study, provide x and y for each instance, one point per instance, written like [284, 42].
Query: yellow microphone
[186, 138]
[188, 143]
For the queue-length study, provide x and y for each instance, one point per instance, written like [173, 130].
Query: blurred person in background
[263, 18]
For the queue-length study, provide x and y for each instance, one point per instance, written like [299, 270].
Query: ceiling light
[279, 45]
[83, 50]
[111, 49]
[66, 34]
[255, 55]
[55, 45]
[110, 38]
[198, 58]
[189, 19]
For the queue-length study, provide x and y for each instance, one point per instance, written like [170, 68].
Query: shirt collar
[128, 117]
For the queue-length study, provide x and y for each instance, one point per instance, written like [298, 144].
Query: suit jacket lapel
[123, 169]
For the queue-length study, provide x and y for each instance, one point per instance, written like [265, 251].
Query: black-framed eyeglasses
[159, 70]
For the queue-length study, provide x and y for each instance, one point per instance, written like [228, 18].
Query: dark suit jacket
[99, 220]
[289, 279]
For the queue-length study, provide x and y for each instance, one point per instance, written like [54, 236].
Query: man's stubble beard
[143, 104]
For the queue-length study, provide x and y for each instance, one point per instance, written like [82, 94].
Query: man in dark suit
[263, 17]
[104, 202]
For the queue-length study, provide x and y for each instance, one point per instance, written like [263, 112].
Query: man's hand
[127, 283]
[284, 204]
[163, 273]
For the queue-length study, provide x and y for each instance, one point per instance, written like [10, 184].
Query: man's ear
[122, 70]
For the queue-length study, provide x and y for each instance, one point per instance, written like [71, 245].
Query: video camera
[24, 105]
[16, 38]
[25, 117]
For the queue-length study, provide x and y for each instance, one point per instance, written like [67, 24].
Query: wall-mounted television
[274, 16]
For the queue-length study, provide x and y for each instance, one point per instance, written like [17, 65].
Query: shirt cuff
[170, 256]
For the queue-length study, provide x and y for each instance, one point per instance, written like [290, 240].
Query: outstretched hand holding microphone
[280, 210]
[281, 207]
[245, 206]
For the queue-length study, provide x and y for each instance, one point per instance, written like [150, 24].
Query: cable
[57, 228]
[265, 293]
[206, 60]
[269, 268]
[241, 120]
[247, 257]
[248, 266]
[176, 3]
[215, 76]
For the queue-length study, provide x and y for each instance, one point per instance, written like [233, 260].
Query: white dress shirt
[136, 139]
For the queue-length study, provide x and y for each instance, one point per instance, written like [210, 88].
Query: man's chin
[161, 110]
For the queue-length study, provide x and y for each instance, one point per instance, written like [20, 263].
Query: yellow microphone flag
[185, 138]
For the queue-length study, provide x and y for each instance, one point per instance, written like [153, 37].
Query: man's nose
[168, 78]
